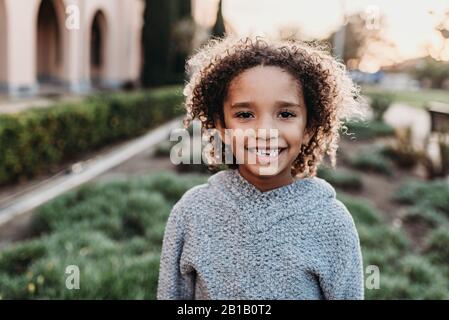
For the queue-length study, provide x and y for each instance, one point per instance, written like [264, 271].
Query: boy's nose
[267, 128]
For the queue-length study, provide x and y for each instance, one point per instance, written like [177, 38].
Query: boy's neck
[267, 183]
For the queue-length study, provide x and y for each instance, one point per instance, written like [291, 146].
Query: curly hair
[329, 93]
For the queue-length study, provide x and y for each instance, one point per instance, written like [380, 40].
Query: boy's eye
[244, 115]
[286, 114]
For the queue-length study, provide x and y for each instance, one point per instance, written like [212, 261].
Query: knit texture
[226, 239]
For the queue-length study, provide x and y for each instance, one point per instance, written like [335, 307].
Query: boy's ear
[307, 136]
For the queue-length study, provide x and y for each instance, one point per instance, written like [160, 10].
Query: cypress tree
[156, 34]
[219, 28]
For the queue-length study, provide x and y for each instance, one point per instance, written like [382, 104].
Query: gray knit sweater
[227, 240]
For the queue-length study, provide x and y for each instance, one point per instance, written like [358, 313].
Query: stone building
[69, 45]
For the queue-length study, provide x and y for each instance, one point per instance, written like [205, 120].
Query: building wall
[32, 47]
[3, 40]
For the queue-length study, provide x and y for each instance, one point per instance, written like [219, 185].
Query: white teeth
[267, 153]
[272, 153]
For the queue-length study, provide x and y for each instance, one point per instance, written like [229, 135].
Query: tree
[156, 36]
[219, 29]
[443, 29]
[360, 40]
[182, 35]
[433, 71]
[167, 41]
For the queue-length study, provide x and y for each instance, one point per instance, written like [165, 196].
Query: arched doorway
[98, 34]
[3, 50]
[49, 44]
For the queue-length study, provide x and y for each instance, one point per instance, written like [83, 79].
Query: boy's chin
[262, 170]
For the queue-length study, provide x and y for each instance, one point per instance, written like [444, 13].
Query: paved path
[24, 104]
[84, 172]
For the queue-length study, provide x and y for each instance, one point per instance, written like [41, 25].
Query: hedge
[36, 141]
[373, 160]
[341, 178]
[367, 130]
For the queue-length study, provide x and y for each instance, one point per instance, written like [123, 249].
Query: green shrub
[112, 231]
[107, 206]
[163, 149]
[107, 269]
[172, 186]
[420, 271]
[413, 278]
[380, 102]
[364, 130]
[431, 194]
[394, 286]
[383, 236]
[13, 287]
[362, 211]
[386, 258]
[16, 259]
[437, 245]
[38, 140]
[403, 275]
[145, 213]
[371, 160]
[340, 178]
[425, 214]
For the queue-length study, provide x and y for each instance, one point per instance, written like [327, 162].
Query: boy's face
[265, 97]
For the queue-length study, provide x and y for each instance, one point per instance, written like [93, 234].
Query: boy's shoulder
[196, 194]
[204, 191]
[198, 198]
[326, 190]
[330, 210]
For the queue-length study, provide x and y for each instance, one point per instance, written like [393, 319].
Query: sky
[409, 24]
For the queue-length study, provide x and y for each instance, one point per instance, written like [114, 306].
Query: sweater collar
[263, 209]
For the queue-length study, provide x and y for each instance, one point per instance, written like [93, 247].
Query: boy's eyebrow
[280, 103]
[287, 104]
[240, 104]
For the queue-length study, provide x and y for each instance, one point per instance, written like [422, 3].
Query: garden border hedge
[36, 141]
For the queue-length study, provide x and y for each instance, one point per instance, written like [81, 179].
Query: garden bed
[113, 228]
[38, 141]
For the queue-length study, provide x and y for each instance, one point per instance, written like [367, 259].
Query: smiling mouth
[270, 153]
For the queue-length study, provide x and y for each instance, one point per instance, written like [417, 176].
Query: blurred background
[91, 89]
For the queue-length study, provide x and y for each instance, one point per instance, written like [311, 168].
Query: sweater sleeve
[343, 278]
[174, 283]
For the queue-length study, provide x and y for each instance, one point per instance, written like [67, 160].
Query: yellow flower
[31, 287]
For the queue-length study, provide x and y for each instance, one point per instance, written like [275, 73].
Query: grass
[340, 178]
[432, 195]
[418, 98]
[366, 130]
[437, 247]
[111, 230]
[372, 159]
[404, 274]
[425, 215]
